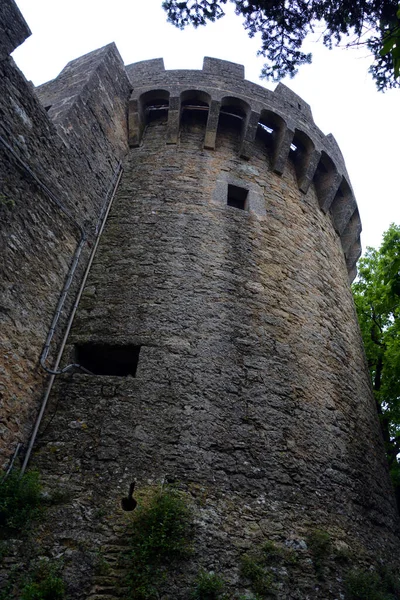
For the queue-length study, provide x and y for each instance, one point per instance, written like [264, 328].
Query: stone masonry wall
[251, 392]
[38, 240]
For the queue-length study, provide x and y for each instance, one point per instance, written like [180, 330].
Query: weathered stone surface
[37, 239]
[13, 28]
[251, 392]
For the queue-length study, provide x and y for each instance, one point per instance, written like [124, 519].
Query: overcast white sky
[342, 96]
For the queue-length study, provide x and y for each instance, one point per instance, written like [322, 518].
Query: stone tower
[216, 332]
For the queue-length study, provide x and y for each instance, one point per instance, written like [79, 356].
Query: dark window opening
[108, 359]
[192, 116]
[237, 197]
[156, 111]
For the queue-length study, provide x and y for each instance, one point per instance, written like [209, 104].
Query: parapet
[223, 68]
[13, 28]
[284, 117]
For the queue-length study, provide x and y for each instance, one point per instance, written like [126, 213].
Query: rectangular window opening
[237, 197]
[108, 359]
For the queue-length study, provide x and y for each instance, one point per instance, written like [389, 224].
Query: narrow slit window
[237, 197]
[108, 359]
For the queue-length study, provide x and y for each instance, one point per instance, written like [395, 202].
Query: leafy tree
[377, 297]
[285, 24]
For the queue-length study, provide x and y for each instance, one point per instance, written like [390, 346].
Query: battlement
[284, 118]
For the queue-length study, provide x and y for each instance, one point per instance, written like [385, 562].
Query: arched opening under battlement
[270, 125]
[195, 105]
[301, 151]
[153, 106]
[195, 99]
[300, 147]
[233, 114]
[326, 181]
[235, 107]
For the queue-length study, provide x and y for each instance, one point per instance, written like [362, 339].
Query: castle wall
[75, 157]
[251, 392]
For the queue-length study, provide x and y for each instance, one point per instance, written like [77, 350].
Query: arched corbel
[352, 258]
[239, 112]
[212, 125]
[351, 233]
[306, 159]
[282, 140]
[140, 109]
[327, 181]
[249, 134]
[343, 207]
[135, 123]
[197, 102]
[173, 119]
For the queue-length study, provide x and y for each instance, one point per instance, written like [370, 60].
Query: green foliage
[283, 26]
[6, 202]
[102, 566]
[159, 536]
[258, 567]
[370, 585]
[20, 500]
[208, 586]
[377, 298]
[253, 569]
[43, 584]
[320, 544]
[274, 554]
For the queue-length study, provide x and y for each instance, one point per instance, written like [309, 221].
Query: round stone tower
[218, 324]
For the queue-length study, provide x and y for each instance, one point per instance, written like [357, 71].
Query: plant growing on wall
[44, 583]
[20, 500]
[159, 532]
[208, 586]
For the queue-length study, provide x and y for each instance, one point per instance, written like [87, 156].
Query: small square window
[108, 359]
[237, 197]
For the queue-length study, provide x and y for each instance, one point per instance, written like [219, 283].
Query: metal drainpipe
[83, 238]
[111, 189]
[55, 370]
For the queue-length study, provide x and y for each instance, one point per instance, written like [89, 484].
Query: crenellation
[291, 100]
[145, 69]
[223, 68]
